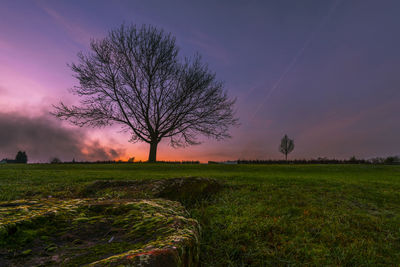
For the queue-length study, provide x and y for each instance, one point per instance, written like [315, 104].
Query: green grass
[315, 215]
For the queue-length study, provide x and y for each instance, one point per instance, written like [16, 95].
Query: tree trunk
[153, 152]
[286, 157]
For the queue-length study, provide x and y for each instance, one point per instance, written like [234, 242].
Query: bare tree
[286, 146]
[134, 78]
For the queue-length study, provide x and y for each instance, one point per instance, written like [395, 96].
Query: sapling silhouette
[286, 146]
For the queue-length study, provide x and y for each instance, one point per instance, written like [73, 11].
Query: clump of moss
[97, 232]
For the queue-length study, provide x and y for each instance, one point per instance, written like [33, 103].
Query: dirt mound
[76, 232]
[132, 223]
[186, 190]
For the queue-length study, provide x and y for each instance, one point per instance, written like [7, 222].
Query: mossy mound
[186, 190]
[96, 232]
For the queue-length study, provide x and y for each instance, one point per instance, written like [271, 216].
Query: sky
[326, 73]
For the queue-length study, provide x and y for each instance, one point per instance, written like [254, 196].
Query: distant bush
[353, 159]
[55, 160]
[392, 160]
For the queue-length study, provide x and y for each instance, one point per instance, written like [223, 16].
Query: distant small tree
[21, 157]
[131, 160]
[55, 160]
[286, 146]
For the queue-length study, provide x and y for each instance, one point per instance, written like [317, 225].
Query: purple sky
[324, 72]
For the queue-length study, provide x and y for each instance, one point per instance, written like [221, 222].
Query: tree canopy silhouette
[286, 146]
[21, 157]
[134, 78]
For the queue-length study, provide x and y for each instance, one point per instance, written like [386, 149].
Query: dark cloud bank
[43, 138]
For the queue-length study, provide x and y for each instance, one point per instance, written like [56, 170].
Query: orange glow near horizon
[330, 81]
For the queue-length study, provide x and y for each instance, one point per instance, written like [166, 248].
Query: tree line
[352, 160]
[21, 157]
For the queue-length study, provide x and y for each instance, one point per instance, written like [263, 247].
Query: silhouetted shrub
[55, 160]
[392, 160]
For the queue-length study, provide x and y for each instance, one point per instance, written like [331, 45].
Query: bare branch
[134, 78]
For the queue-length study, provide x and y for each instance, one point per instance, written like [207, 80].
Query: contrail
[296, 57]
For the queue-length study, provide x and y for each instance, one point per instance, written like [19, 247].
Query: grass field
[312, 215]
